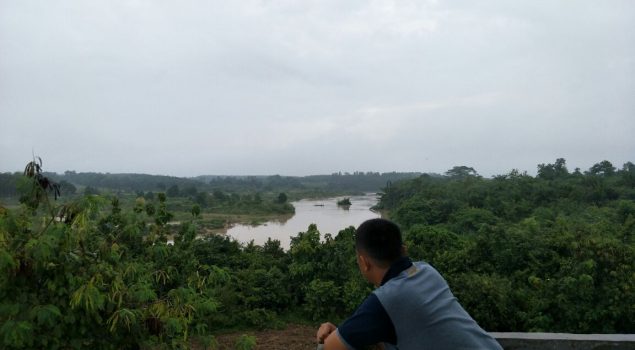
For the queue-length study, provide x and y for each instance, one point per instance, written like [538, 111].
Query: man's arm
[333, 342]
[370, 324]
[327, 334]
[324, 331]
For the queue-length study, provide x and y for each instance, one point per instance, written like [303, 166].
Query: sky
[252, 87]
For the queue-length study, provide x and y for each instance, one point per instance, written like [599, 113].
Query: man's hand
[324, 331]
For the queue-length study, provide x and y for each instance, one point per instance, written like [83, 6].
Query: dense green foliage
[79, 279]
[220, 202]
[216, 209]
[553, 252]
[126, 182]
[79, 276]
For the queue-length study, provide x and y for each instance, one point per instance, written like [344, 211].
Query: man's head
[378, 243]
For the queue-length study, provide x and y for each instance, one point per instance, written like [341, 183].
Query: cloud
[293, 87]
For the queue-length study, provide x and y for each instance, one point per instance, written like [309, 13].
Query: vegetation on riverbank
[221, 200]
[553, 252]
[215, 212]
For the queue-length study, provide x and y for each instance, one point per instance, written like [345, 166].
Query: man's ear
[364, 262]
[404, 250]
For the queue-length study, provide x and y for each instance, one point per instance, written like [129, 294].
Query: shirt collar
[396, 268]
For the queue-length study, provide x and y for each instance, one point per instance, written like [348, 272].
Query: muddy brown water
[325, 213]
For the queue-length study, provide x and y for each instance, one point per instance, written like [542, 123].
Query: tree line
[92, 183]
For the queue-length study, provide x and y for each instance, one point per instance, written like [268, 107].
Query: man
[412, 307]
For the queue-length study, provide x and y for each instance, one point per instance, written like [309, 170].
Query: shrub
[245, 342]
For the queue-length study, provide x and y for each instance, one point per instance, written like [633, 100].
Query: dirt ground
[293, 337]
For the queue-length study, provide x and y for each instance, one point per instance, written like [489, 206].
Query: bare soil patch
[293, 337]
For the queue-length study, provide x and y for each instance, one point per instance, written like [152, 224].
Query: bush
[322, 299]
[245, 342]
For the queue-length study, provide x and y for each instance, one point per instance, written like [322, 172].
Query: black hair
[380, 239]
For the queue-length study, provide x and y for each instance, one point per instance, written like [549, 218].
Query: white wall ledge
[565, 341]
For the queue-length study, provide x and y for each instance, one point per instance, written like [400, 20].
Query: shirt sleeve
[370, 324]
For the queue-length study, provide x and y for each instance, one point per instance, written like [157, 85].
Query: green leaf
[17, 334]
[47, 315]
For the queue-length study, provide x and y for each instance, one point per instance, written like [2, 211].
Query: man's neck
[379, 276]
[395, 269]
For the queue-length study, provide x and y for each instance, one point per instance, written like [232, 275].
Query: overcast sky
[311, 87]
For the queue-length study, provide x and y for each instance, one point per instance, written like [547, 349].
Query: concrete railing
[565, 341]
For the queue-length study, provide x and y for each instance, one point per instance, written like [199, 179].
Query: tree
[219, 195]
[460, 172]
[67, 188]
[201, 199]
[196, 210]
[190, 191]
[553, 171]
[8, 184]
[603, 168]
[173, 191]
[282, 198]
[628, 174]
[345, 202]
[89, 190]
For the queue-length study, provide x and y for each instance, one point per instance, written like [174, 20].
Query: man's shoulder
[418, 269]
[420, 276]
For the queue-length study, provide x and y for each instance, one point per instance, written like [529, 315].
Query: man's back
[426, 315]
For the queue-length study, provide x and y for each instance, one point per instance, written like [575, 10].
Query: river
[325, 213]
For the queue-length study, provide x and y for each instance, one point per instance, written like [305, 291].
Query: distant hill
[340, 182]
